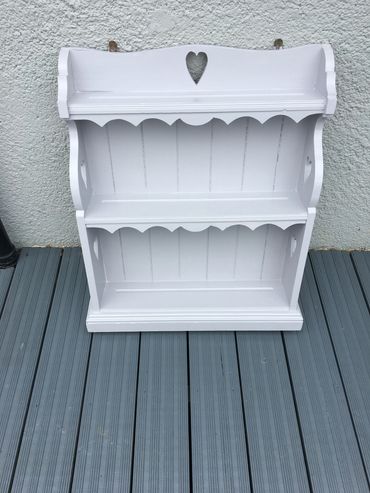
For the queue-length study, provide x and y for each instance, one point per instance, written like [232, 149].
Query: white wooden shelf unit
[195, 202]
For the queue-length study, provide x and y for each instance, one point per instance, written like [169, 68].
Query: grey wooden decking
[198, 412]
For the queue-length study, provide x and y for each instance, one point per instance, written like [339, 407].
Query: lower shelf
[203, 305]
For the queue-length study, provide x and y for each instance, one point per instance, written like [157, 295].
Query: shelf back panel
[154, 157]
[236, 254]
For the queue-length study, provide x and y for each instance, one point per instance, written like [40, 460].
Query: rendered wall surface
[35, 201]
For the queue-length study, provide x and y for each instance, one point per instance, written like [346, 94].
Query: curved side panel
[77, 169]
[330, 79]
[63, 82]
[296, 259]
[93, 261]
[313, 168]
[318, 169]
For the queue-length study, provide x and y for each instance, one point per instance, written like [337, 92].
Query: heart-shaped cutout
[196, 64]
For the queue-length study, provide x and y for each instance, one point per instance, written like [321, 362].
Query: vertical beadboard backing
[155, 157]
[210, 255]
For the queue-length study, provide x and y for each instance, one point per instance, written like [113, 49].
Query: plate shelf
[195, 202]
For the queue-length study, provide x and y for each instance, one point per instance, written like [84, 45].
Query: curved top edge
[187, 47]
[329, 66]
[329, 57]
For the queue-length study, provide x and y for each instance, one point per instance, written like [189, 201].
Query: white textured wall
[35, 202]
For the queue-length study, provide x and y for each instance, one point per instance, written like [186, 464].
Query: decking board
[361, 261]
[161, 457]
[276, 456]
[348, 321]
[176, 412]
[46, 454]
[22, 326]
[333, 457]
[219, 449]
[104, 450]
[5, 280]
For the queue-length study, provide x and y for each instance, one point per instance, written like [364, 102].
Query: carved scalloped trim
[196, 227]
[197, 119]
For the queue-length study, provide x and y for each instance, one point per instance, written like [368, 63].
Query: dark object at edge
[8, 253]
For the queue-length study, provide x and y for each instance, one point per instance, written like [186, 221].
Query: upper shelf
[194, 212]
[101, 86]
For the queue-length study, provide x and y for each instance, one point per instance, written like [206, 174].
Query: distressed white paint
[195, 202]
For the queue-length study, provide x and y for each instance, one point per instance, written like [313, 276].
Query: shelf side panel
[93, 260]
[79, 172]
[296, 255]
[312, 169]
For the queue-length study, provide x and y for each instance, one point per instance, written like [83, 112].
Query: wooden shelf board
[203, 298]
[85, 103]
[205, 304]
[194, 296]
[116, 211]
